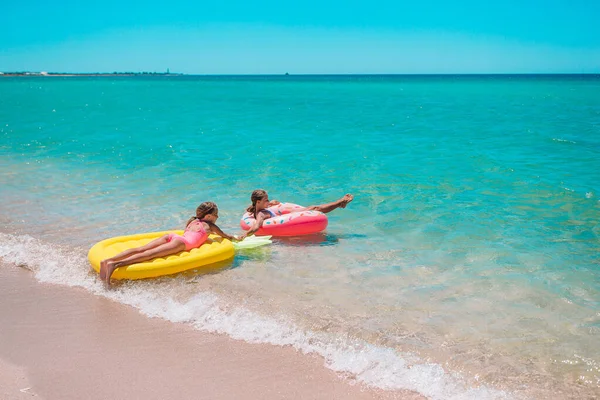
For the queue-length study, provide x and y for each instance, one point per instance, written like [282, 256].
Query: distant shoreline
[287, 75]
[44, 74]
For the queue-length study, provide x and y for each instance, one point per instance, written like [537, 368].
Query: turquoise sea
[467, 266]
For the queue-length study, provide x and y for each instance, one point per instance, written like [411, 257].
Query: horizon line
[44, 73]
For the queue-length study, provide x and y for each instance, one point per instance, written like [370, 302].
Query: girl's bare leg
[286, 208]
[127, 253]
[325, 208]
[165, 249]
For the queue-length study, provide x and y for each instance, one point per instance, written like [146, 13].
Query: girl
[263, 209]
[196, 233]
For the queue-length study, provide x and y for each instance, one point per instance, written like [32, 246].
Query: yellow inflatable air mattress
[214, 250]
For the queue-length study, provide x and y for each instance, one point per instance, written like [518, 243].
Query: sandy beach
[64, 343]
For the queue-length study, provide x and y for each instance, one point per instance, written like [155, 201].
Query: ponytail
[189, 221]
[257, 195]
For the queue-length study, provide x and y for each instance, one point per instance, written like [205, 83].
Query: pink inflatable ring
[288, 222]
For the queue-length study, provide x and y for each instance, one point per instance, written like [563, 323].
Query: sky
[307, 37]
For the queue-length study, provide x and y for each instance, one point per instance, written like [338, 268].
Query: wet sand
[14, 384]
[65, 343]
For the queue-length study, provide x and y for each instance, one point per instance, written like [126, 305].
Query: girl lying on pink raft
[266, 217]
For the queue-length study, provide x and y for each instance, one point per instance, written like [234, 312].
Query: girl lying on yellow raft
[196, 232]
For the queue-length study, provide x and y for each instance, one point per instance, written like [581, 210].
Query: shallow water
[466, 267]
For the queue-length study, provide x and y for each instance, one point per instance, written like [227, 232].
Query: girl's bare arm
[215, 229]
[255, 226]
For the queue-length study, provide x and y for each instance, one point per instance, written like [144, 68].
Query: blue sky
[274, 37]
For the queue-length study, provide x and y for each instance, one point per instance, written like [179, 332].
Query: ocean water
[467, 267]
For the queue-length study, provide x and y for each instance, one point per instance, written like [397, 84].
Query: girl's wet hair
[204, 209]
[257, 195]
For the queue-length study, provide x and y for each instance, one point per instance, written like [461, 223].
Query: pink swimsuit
[191, 239]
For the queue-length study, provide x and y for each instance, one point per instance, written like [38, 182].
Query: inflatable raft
[214, 250]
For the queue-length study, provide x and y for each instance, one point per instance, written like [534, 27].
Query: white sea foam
[376, 366]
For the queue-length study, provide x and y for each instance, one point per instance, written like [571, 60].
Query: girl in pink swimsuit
[196, 232]
[194, 235]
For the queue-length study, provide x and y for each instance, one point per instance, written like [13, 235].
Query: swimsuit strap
[267, 210]
[199, 220]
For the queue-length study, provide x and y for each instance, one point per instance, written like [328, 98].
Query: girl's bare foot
[103, 269]
[345, 200]
[110, 268]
